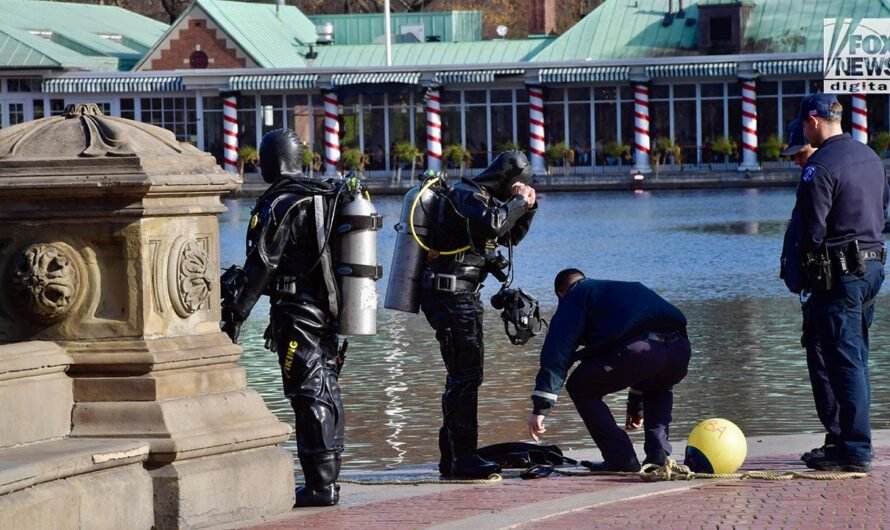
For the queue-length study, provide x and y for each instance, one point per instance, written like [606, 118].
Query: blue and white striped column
[433, 131]
[331, 134]
[860, 119]
[537, 142]
[642, 144]
[749, 126]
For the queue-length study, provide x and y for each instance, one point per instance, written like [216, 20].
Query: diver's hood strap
[327, 269]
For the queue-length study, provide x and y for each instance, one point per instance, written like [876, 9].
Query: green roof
[431, 53]
[74, 35]
[619, 29]
[274, 37]
[367, 28]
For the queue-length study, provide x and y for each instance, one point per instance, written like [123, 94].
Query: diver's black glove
[231, 326]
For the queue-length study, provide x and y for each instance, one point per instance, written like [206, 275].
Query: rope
[492, 479]
[671, 470]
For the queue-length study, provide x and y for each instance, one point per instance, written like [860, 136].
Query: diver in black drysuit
[483, 213]
[286, 233]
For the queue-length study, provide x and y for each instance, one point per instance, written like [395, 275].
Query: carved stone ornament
[189, 281]
[46, 281]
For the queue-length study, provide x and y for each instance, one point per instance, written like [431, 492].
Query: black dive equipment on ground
[520, 313]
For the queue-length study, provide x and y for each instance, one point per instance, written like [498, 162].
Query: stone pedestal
[109, 246]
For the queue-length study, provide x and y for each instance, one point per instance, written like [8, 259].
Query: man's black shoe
[818, 452]
[325, 496]
[473, 467]
[658, 461]
[830, 463]
[631, 467]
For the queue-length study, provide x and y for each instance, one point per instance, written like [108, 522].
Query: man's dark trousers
[650, 366]
[823, 395]
[842, 317]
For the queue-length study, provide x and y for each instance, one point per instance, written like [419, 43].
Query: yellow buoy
[716, 446]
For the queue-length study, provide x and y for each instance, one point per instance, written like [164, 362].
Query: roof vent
[325, 33]
[417, 31]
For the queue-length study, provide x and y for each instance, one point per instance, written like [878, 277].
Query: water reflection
[747, 363]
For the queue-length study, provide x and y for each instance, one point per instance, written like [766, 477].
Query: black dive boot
[445, 453]
[320, 472]
[467, 464]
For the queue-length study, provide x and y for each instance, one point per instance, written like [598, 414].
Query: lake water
[714, 254]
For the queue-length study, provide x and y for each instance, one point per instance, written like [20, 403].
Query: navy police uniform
[624, 335]
[288, 261]
[483, 214]
[841, 202]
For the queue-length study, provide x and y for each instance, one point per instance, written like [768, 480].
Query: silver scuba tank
[409, 257]
[357, 267]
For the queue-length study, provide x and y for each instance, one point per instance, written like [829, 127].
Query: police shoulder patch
[808, 173]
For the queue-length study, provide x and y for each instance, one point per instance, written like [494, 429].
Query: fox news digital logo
[857, 55]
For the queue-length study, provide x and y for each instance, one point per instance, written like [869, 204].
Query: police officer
[826, 405]
[495, 208]
[288, 260]
[841, 201]
[628, 337]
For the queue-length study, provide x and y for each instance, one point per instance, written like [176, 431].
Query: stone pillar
[860, 118]
[120, 267]
[230, 133]
[642, 144]
[433, 131]
[537, 140]
[331, 133]
[749, 126]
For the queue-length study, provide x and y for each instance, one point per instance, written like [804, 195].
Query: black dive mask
[521, 314]
[506, 169]
[281, 153]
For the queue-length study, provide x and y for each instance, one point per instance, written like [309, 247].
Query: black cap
[795, 138]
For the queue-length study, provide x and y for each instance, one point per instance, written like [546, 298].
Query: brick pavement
[619, 502]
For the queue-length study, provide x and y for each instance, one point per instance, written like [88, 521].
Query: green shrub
[725, 146]
[617, 150]
[880, 142]
[772, 148]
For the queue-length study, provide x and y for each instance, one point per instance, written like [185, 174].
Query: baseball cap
[818, 105]
[795, 138]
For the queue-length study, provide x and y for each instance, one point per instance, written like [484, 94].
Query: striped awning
[112, 84]
[273, 82]
[584, 74]
[474, 76]
[692, 70]
[796, 66]
[405, 78]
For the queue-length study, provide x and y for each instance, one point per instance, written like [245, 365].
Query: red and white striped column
[230, 133]
[433, 131]
[331, 133]
[749, 126]
[642, 143]
[860, 118]
[537, 143]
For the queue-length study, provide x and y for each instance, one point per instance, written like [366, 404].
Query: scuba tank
[357, 267]
[409, 256]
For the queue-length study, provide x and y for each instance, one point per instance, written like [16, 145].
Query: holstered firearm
[817, 268]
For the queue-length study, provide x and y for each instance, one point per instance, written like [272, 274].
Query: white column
[331, 133]
[860, 118]
[433, 131]
[749, 126]
[230, 133]
[641, 129]
[537, 142]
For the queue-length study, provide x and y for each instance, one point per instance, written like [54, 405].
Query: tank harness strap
[356, 270]
[327, 271]
[352, 223]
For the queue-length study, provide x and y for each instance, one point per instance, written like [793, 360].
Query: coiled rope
[671, 470]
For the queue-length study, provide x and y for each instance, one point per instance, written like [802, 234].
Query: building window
[16, 113]
[721, 29]
[502, 120]
[23, 85]
[176, 114]
[56, 107]
[475, 117]
[128, 108]
[374, 123]
[198, 60]
[38, 109]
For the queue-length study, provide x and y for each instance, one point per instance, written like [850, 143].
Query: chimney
[543, 17]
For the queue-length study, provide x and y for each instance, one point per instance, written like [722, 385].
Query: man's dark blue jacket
[842, 196]
[598, 315]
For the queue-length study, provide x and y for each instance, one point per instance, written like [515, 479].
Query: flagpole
[387, 32]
